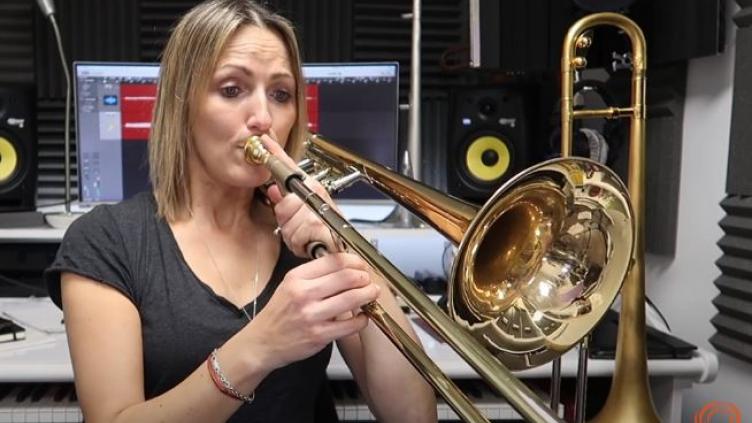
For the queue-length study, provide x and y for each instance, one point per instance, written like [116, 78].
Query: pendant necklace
[255, 279]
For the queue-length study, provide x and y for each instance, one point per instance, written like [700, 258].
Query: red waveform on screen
[137, 104]
[312, 103]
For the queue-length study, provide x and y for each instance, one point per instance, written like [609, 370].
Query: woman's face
[251, 92]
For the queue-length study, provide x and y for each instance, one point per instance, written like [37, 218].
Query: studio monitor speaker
[18, 153]
[488, 140]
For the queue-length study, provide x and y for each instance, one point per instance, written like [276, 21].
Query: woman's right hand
[304, 314]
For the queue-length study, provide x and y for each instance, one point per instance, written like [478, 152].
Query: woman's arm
[104, 336]
[395, 390]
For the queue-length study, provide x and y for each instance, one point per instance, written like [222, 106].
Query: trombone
[629, 399]
[538, 265]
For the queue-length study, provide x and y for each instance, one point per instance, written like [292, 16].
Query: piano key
[5, 389]
[53, 402]
[38, 403]
[38, 392]
[61, 392]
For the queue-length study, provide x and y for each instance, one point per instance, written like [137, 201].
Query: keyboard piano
[57, 402]
[39, 402]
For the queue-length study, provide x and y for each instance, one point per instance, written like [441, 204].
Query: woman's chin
[254, 178]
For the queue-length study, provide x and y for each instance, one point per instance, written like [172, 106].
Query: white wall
[683, 288]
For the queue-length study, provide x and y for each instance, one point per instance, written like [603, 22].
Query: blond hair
[188, 62]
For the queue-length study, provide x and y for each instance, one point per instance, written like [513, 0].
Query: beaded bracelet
[221, 381]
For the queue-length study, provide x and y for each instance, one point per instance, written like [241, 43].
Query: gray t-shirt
[128, 248]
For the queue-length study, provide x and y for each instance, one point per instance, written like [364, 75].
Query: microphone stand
[413, 138]
[400, 216]
[64, 219]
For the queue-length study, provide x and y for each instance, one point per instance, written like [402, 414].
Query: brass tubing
[409, 348]
[450, 216]
[608, 113]
[629, 399]
[522, 399]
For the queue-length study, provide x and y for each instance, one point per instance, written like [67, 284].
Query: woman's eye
[281, 96]
[230, 91]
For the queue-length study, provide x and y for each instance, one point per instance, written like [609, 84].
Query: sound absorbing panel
[734, 302]
[380, 33]
[91, 30]
[739, 177]
[323, 26]
[16, 41]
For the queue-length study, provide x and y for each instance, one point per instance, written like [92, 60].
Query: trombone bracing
[629, 399]
[538, 264]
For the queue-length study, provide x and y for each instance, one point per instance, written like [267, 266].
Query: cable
[24, 285]
[653, 306]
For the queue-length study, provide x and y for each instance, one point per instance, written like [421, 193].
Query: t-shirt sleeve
[93, 247]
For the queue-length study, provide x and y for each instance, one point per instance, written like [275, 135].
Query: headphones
[601, 145]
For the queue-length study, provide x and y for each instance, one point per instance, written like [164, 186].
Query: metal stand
[400, 217]
[581, 398]
[556, 384]
[413, 130]
[64, 219]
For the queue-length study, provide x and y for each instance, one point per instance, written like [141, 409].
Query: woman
[184, 304]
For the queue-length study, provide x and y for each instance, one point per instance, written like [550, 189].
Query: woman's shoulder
[127, 216]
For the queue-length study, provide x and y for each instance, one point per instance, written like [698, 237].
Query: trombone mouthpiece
[255, 152]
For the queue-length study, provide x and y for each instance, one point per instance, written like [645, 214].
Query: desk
[411, 250]
[31, 235]
[43, 357]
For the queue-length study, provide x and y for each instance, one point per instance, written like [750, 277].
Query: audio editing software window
[114, 103]
[356, 106]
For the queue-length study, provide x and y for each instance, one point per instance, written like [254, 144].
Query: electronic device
[355, 104]
[114, 103]
[18, 148]
[489, 140]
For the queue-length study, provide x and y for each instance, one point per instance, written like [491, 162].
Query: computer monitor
[114, 103]
[353, 104]
[356, 105]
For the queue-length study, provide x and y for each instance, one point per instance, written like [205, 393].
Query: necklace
[222, 278]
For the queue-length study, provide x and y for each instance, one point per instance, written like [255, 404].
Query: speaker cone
[8, 160]
[487, 158]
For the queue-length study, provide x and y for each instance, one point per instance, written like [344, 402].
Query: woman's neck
[219, 207]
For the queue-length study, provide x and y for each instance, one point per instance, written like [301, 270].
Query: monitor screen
[356, 106]
[353, 104]
[114, 103]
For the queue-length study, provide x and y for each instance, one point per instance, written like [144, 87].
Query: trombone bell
[538, 265]
[543, 260]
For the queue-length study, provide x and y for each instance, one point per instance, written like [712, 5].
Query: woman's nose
[260, 118]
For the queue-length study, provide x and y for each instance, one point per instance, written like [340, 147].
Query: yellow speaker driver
[8, 160]
[487, 158]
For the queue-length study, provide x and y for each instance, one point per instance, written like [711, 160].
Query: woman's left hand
[299, 225]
